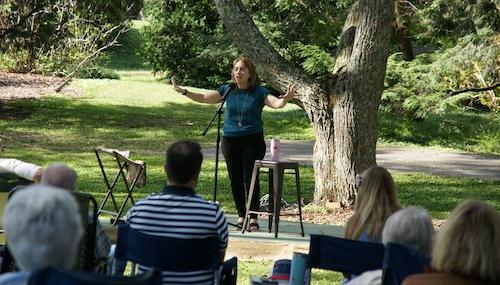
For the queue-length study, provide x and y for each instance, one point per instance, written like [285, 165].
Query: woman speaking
[243, 139]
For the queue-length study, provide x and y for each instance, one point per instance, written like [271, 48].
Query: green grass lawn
[264, 268]
[131, 115]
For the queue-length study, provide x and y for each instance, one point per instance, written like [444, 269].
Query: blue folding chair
[172, 254]
[344, 255]
[401, 261]
[52, 276]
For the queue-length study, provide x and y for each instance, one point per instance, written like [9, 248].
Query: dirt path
[16, 86]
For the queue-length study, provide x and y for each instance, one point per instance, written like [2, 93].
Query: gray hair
[59, 175]
[412, 227]
[43, 228]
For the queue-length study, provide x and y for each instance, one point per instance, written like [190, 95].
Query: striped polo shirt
[179, 213]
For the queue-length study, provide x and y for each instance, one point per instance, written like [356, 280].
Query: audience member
[43, 228]
[178, 212]
[411, 227]
[376, 200]
[467, 249]
[61, 176]
[28, 171]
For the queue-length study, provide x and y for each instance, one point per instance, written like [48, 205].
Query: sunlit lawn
[129, 114]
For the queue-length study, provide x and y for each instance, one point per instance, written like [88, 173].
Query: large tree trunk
[360, 66]
[343, 109]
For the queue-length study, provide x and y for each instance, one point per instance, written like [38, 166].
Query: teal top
[243, 115]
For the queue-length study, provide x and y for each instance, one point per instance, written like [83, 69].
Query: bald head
[60, 176]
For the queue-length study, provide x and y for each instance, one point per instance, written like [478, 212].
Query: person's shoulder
[440, 278]
[261, 90]
[14, 278]
[223, 88]
[201, 200]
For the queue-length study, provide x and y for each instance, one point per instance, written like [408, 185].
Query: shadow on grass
[60, 123]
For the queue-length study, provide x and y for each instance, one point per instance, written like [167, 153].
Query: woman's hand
[290, 93]
[275, 103]
[173, 79]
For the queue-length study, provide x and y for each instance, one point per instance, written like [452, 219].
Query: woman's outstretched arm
[211, 97]
[276, 103]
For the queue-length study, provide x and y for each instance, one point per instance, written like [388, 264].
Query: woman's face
[241, 74]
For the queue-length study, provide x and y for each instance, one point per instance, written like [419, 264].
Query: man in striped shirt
[178, 212]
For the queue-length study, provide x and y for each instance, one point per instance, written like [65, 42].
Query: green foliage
[458, 18]
[309, 22]
[304, 32]
[421, 86]
[127, 55]
[316, 61]
[98, 72]
[186, 38]
[51, 37]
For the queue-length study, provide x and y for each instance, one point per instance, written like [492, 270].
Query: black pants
[240, 154]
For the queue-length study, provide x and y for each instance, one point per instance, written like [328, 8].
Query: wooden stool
[276, 172]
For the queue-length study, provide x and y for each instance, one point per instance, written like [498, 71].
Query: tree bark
[401, 30]
[404, 43]
[343, 109]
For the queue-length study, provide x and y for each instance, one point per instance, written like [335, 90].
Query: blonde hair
[375, 202]
[254, 77]
[469, 243]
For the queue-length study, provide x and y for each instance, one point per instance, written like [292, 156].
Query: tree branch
[474, 89]
[70, 76]
[7, 31]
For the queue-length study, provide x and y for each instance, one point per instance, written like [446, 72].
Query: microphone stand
[217, 115]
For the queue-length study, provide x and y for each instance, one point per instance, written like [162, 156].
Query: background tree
[187, 38]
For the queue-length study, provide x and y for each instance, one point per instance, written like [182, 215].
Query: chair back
[229, 273]
[401, 261]
[10, 180]
[166, 253]
[344, 255]
[8, 263]
[87, 207]
[51, 276]
[86, 259]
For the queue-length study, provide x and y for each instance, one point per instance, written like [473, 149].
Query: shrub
[422, 86]
[98, 72]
